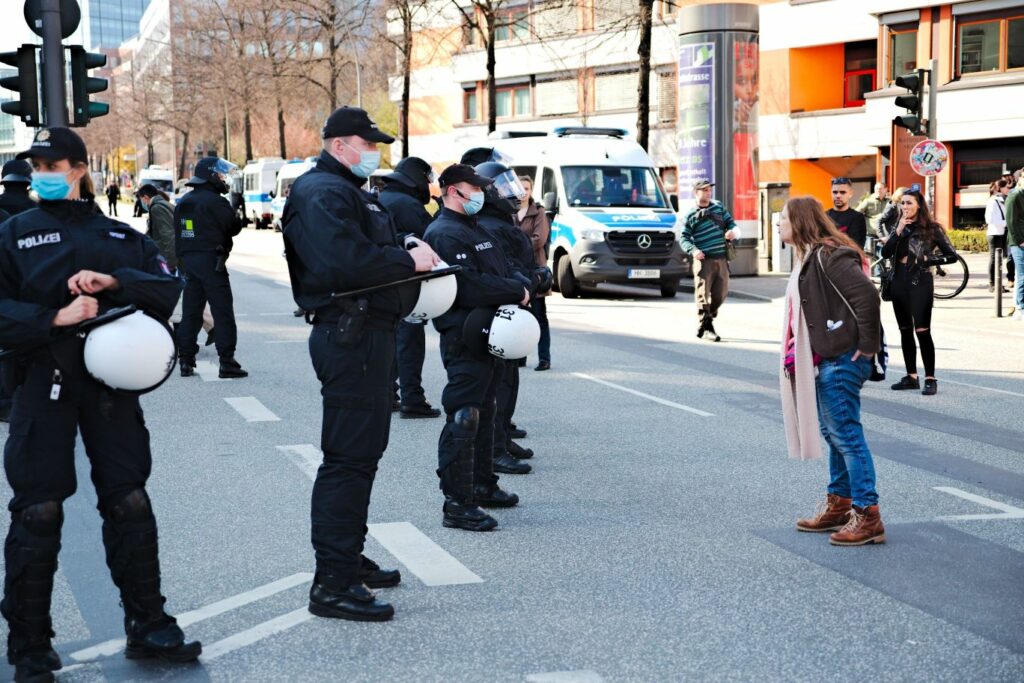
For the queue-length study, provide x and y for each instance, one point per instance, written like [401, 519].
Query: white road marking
[978, 386]
[287, 341]
[582, 676]
[255, 634]
[1007, 511]
[274, 314]
[670, 404]
[112, 647]
[208, 371]
[420, 555]
[251, 409]
[306, 457]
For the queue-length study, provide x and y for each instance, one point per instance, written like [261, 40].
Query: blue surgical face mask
[51, 186]
[474, 203]
[368, 163]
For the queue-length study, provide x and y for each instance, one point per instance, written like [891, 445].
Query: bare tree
[483, 17]
[274, 34]
[326, 30]
[404, 10]
[643, 87]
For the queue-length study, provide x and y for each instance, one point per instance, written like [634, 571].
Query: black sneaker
[160, 639]
[230, 369]
[506, 464]
[187, 366]
[419, 412]
[907, 382]
[543, 365]
[356, 602]
[468, 517]
[516, 433]
[374, 577]
[710, 333]
[931, 387]
[37, 664]
[518, 452]
[495, 497]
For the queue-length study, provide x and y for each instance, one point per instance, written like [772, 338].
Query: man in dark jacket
[405, 192]
[161, 222]
[16, 177]
[204, 227]
[338, 238]
[465, 449]
[113, 194]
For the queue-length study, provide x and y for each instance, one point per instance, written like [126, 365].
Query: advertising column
[717, 126]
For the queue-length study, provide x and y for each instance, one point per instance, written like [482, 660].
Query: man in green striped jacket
[707, 230]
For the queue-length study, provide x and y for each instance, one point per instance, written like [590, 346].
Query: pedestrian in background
[113, 194]
[1015, 238]
[891, 215]
[911, 247]
[534, 222]
[872, 207]
[706, 233]
[832, 331]
[848, 220]
[995, 231]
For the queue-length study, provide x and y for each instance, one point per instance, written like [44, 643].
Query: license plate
[643, 273]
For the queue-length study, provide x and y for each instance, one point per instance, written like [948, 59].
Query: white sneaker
[1017, 315]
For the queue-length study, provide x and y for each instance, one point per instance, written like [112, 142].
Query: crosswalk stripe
[251, 409]
[113, 646]
[661, 401]
[256, 634]
[581, 676]
[210, 372]
[306, 457]
[424, 558]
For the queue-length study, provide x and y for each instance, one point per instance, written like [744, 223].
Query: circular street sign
[70, 17]
[929, 157]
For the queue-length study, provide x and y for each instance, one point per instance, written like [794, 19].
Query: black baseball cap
[462, 173]
[702, 183]
[57, 143]
[16, 171]
[354, 121]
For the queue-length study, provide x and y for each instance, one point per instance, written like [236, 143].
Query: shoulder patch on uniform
[117, 234]
[373, 207]
[483, 246]
[38, 240]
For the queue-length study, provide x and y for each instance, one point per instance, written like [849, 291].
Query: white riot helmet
[510, 332]
[436, 297]
[135, 353]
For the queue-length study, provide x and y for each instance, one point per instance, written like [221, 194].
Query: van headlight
[593, 235]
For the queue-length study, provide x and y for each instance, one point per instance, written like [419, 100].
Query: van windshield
[612, 186]
[160, 184]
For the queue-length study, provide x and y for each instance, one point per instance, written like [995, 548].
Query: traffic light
[82, 85]
[912, 102]
[26, 84]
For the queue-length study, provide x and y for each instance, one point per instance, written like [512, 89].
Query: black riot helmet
[506, 193]
[481, 155]
[415, 174]
[212, 170]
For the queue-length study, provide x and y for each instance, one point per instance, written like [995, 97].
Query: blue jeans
[1017, 254]
[838, 387]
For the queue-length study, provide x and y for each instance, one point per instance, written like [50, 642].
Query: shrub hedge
[971, 241]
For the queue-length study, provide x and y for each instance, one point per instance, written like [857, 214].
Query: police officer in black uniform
[339, 238]
[61, 264]
[465, 460]
[406, 190]
[501, 202]
[16, 177]
[204, 225]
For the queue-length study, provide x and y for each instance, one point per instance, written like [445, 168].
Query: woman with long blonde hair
[832, 331]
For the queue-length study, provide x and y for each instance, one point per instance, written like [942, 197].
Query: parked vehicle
[285, 177]
[258, 180]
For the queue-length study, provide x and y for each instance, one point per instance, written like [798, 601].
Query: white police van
[612, 220]
[258, 180]
[157, 176]
[285, 177]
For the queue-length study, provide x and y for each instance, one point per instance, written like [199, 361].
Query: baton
[419, 277]
[81, 328]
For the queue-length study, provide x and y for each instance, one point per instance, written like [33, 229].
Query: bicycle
[950, 279]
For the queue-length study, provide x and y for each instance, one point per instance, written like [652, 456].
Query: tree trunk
[280, 128]
[332, 58]
[492, 90]
[643, 94]
[406, 75]
[247, 124]
[184, 155]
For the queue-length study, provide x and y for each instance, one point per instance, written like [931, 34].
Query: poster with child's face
[744, 129]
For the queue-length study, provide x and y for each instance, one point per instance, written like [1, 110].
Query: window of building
[859, 78]
[513, 24]
[470, 112]
[557, 97]
[667, 94]
[902, 52]
[512, 102]
[989, 44]
[615, 91]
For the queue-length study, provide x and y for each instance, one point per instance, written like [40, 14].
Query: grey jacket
[161, 229]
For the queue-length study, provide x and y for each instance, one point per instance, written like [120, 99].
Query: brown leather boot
[830, 515]
[865, 526]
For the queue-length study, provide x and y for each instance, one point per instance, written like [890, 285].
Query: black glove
[543, 279]
[524, 281]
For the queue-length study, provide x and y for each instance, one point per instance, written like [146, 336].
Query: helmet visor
[224, 167]
[507, 186]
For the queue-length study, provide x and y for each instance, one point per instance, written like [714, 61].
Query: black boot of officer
[456, 470]
[504, 461]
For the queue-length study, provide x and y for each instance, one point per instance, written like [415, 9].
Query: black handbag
[885, 284]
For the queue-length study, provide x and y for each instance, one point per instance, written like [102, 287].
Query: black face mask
[423, 194]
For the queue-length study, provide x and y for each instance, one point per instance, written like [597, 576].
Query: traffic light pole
[933, 126]
[54, 93]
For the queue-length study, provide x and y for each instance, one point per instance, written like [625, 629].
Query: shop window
[902, 52]
[989, 44]
[470, 110]
[861, 63]
[514, 24]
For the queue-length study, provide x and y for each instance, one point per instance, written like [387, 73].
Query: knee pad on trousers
[42, 519]
[465, 422]
[134, 507]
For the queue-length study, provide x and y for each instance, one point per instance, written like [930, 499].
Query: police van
[285, 177]
[258, 180]
[611, 219]
[157, 176]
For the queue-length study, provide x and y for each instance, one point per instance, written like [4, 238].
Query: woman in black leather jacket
[912, 247]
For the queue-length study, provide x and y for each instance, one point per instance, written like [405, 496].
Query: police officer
[15, 178]
[204, 226]
[465, 458]
[404, 194]
[339, 238]
[61, 264]
[501, 203]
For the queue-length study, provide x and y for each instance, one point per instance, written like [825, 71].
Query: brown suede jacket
[839, 321]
